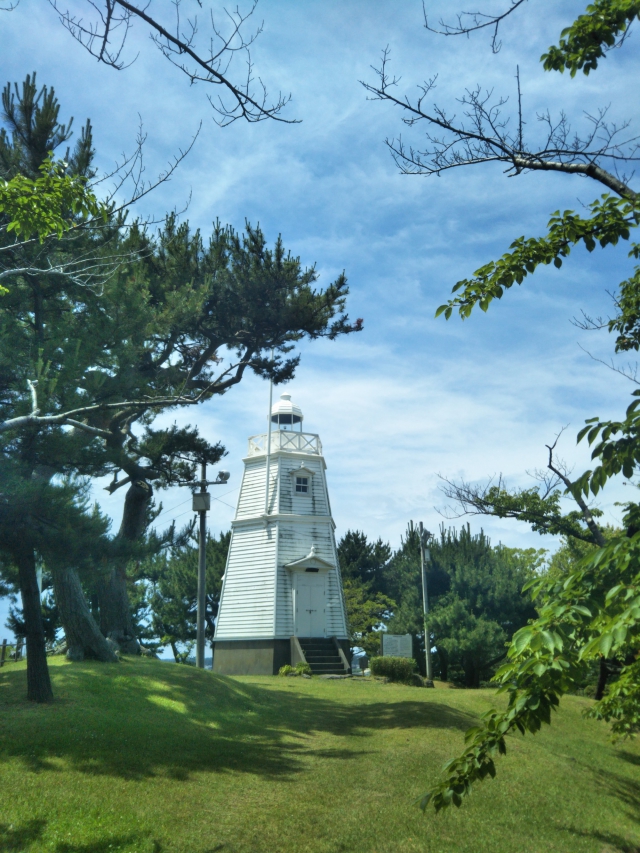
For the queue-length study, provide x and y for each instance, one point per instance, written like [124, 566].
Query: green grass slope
[150, 757]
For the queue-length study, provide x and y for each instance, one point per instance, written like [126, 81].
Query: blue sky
[411, 397]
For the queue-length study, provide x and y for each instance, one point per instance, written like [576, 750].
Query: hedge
[395, 669]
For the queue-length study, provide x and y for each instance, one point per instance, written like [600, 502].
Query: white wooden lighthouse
[282, 598]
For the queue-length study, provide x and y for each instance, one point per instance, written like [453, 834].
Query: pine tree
[171, 582]
[116, 349]
[39, 517]
[475, 597]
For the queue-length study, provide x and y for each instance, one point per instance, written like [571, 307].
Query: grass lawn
[150, 757]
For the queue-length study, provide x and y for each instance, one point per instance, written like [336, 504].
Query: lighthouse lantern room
[282, 599]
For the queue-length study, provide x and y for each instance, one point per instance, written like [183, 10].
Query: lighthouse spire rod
[268, 464]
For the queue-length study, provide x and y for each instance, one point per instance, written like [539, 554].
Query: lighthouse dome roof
[284, 411]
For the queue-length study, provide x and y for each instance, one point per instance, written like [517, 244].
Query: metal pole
[202, 573]
[425, 604]
[268, 462]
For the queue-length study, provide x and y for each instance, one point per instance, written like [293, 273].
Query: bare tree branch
[475, 21]
[106, 35]
[538, 506]
[576, 495]
[482, 134]
[631, 373]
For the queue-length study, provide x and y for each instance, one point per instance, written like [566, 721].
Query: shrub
[301, 668]
[395, 669]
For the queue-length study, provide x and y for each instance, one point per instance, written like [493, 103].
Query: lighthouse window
[302, 485]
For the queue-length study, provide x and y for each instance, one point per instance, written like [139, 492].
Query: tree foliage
[604, 25]
[475, 597]
[612, 220]
[49, 204]
[475, 600]
[362, 565]
[588, 613]
[171, 584]
[105, 328]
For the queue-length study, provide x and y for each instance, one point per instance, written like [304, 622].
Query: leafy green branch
[612, 220]
[592, 612]
[48, 205]
[604, 26]
[617, 448]
[539, 507]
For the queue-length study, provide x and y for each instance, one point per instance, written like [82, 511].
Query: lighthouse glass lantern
[286, 415]
[282, 599]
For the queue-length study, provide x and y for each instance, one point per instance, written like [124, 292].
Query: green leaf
[521, 639]
[606, 641]
[425, 800]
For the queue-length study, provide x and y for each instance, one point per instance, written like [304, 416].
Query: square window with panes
[302, 485]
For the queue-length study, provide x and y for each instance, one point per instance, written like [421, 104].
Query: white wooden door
[310, 604]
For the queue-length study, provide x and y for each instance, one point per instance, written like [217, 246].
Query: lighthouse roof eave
[284, 406]
[311, 561]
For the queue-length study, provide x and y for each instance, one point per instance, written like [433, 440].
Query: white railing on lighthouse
[294, 442]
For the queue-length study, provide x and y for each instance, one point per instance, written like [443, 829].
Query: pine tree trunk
[174, 649]
[84, 638]
[38, 681]
[116, 620]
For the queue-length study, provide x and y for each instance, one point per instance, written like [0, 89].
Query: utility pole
[201, 505]
[424, 556]
[268, 459]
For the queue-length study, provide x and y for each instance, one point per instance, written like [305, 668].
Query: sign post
[397, 645]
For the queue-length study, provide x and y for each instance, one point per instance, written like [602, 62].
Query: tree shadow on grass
[630, 757]
[111, 844]
[23, 838]
[121, 844]
[624, 789]
[143, 719]
[18, 838]
[613, 843]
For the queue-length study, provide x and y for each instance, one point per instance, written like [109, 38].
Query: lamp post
[201, 505]
[424, 556]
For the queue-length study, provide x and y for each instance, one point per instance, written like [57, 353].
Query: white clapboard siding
[252, 490]
[257, 593]
[246, 605]
[284, 604]
[316, 502]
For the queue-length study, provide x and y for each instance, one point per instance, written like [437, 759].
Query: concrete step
[325, 647]
[327, 670]
[322, 655]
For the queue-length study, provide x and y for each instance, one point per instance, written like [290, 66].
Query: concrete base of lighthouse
[258, 657]
[250, 657]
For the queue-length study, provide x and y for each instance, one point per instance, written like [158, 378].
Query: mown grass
[150, 757]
